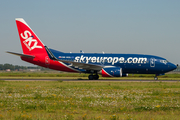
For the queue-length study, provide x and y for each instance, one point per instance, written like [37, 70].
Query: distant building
[33, 70]
[8, 70]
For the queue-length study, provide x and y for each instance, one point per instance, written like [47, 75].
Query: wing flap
[82, 65]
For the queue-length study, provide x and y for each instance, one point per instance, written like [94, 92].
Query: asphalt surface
[79, 80]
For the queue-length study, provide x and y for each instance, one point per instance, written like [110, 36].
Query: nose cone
[172, 66]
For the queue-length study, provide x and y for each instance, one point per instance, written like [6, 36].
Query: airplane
[106, 64]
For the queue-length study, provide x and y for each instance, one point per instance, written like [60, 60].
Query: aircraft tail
[31, 44]
[34, 50]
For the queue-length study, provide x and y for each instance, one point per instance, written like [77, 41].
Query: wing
[82, 65]
[75, 64]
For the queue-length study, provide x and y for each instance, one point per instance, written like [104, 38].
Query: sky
[94, 26]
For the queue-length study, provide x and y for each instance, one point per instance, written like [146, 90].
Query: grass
[58, 75]
[46, 100]
[41, 74]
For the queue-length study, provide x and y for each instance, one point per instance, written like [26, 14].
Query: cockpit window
[164, 61]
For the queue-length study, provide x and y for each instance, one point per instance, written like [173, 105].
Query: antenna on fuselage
[103, 52]
[81, 51]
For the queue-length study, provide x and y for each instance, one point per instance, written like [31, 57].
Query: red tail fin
[31, 44]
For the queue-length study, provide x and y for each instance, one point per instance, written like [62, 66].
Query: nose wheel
[155, 78]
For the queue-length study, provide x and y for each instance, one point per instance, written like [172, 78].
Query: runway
[81, 80]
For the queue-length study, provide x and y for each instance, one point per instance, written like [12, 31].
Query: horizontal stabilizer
[19, 54]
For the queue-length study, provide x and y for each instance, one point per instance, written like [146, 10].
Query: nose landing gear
[155, 78]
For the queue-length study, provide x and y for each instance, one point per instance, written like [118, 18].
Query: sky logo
[29, 41]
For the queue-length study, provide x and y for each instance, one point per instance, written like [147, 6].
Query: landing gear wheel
[96, 77]
[156, 78]
[93, 77]
[90, 77]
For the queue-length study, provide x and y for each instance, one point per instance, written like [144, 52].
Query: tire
[155, 78]
[96, 77]
[90, 77]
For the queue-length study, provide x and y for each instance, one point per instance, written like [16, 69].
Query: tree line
[17, 67]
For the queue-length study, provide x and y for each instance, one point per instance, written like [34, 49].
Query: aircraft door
[47, 60]
[152, 62]
[102, 61]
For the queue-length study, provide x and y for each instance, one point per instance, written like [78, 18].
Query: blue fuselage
[130, 63]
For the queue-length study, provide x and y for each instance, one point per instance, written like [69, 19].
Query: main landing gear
[93, 77]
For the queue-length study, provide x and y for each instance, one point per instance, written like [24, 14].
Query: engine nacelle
[112, 72]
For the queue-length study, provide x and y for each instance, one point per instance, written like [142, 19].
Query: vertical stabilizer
[31, 44]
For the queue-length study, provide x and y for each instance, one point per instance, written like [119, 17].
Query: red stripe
[105, 74]
[40, 60]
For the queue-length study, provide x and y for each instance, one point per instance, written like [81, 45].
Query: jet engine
[111, 72]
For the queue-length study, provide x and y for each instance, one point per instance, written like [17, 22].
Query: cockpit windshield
[164, 61]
